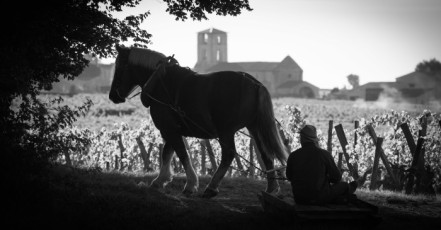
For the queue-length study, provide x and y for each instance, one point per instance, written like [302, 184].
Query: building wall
[211, 49]
[418, 81]
[86, 83]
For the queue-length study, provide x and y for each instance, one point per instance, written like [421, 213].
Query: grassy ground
[89, 199]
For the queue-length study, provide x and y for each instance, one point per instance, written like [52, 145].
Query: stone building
[95, 78]
[416, 87]
[284, 78]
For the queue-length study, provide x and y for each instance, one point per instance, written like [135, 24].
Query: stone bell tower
[212, 49]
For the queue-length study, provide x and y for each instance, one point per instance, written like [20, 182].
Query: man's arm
[333, 171]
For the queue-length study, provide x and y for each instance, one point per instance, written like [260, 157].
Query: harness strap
[183, 116]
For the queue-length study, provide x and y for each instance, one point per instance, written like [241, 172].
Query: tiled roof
[292, 84]
[417, 75]
[289, 62]
[379, 84]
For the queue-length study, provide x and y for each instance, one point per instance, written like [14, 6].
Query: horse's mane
[145, 57]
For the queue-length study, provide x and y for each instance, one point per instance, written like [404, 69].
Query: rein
[173, 106]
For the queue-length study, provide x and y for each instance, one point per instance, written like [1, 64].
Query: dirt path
[239, 206]
[78, 199]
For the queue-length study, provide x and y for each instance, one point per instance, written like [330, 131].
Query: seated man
[314, 177]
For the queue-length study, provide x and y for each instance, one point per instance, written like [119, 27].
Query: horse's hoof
[209, 193]
[274, 191]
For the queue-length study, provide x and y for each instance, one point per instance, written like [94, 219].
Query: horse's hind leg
[228, 152]
[273, 184]
[165, 172]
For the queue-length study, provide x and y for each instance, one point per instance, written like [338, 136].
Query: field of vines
[376, 146]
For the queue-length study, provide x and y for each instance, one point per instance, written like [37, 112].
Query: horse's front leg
[192, 183]
[165, 175]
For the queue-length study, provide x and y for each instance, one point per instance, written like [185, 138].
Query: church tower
[212, 49]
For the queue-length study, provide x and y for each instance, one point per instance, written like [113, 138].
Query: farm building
[420, 87]
[417, 87]
[284, 78]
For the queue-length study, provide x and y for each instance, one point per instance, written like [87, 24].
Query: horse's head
[121, 84]
[133, 67]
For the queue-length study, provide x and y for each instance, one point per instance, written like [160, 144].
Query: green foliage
[431, 67]
[292, 114]
[354, 80]
[46, 40]
[43, 127]
[198, 8]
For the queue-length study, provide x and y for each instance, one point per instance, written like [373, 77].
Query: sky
[378, 40]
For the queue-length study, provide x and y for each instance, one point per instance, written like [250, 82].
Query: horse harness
[160, 69]
[173, 105]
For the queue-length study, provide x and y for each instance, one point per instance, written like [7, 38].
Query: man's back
[310, 169]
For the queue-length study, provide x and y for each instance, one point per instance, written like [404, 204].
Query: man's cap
[309, 133]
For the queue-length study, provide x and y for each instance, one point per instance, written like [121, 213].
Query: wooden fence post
[331, 123]
[203, 158]
[340, 161]
[356, 125]
[355, 165]
[210, 153]
[161, 148]
[412, 170]
[409, 138]
[343, 142]
[417, 166]
[421, 171]
[386, 163]
[251, 169]
[116, 162]
[145, 156]
[121, 149]
[374, 176]
[239, 163]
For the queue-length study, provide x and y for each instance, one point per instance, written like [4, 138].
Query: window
[205, 38]
[218, 39]
[218, 55]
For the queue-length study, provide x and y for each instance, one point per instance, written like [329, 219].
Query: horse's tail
[267, 130]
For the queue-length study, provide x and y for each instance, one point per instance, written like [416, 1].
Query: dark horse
[185, 103]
